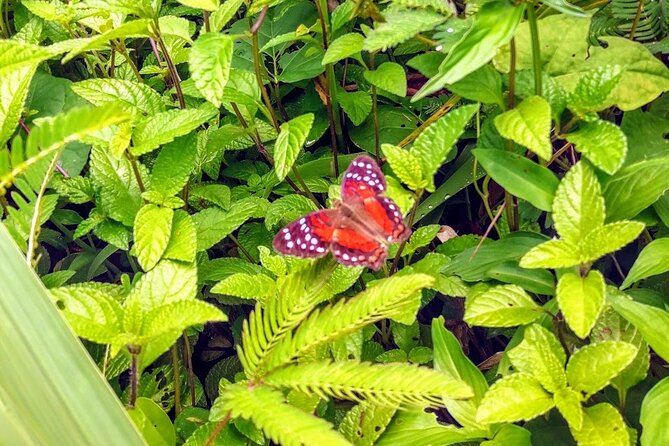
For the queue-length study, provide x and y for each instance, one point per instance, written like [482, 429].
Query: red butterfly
[358, 229]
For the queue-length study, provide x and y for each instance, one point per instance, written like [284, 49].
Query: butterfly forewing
[362, 179]
[309, 236]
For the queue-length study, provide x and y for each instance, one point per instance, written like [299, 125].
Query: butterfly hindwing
[309, 236]
[362, 179]
[387, 216]
[351, 248]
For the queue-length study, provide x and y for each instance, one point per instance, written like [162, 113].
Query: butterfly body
[357, 230]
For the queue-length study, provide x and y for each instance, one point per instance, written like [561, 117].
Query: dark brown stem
[205, 18]
[412, 216]
[134, 373]
[189, 366]
[176, 376]
[135, 171]
[174, 75]
[241, 248]
[257, 68]
[217, 430]
[637, 17]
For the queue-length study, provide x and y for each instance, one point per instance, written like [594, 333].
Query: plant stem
[176, 376]
[189, 365]
[174, 75]
[241, 248]
[34, 223]
[134, 373]
[205, 18]
[637, 17]
[536, 48]
[412, 216]
[217, 430]
[448, 105]
[257, 66]
[124, 51]
[135, 171]
[511, 208]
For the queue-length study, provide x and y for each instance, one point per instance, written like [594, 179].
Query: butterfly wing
[351, 248]
[362, 179]
[387, 217]
[309, 236]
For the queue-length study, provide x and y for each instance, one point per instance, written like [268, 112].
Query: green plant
[150, 151]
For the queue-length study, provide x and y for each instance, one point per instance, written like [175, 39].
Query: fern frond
[389, 298]
[284, 424]
[382, 384]
[297, 294]
[51, 135]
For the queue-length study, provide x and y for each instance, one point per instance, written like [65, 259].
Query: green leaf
[394, 125]
[602, 142]
[14, 85]
[164, 127]
[540, 354]
[173, 166]
[247, 286]
[383, 384]
[152, 421]
[520, 176]
[228, 436]
[419, 428]
[152, 229]
[537, 281]
[653, 260]
[207, 5]
[635, 187]
[209, 63]
[421, 237]
[602, 425]
[134, 28]
[565, 7]
[607, 358]
[183, 240]
[568, 402]
[515, 397]
[593, 89]
[390, 77]
[92, 313]
[217, 194]
[528, 124]
[357, 105]
[510, 434]
[552, 254]
[483, 85]
[344, 46]
[214, 224]
[179, 315]
[494, 25]
[364, 423]
[400, 25]
[132, 95]
[433, 145]
[283, 423]
[287, 209]
[578, 207]
[405, 166]
[305, 63]
[290, 141]
[609, 238]
[223, 14]
[652, 322]
[581, 300]
[501, 306]
[654, 412]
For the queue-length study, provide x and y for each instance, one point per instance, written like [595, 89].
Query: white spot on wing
[290, 245]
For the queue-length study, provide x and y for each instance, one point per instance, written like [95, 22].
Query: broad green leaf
[179, 315]
[287, 209]
[653, 260]
[223, 14]
[594, 88]
[483, 85]
[552, 254]
[164, 127]
[652, 322]
[342, 47]
[537, 281]
[405, 166]
[602, 425]
[419, 428]
[364, 423]
[565, 7]
[501, 306]
[209, 63]
[114, 233]
[217, 194]
[290, 141]
[510, 434]
[494, 25]
[540, 354]
[357, 105]
[274, 263]
[520, 176]
[568, 402]
[173, 166]
[515, 397]
[247, 286]
[207, 5]
[654, 412]
[140, 8]
[183, 240]
[152, 421]
[578, 207]
[130, 94]
[609, 238]
[305, 63]
[433, 145]
[390, 77]
[635, 187]
[394, 125]
[214, 224]
[228, 436]
[581, 300]
[92, 313]
[152, 230]
[15, 55]
[134, 28]
[14, 85]
[552, 91]
[602, 142]
[528, 124]
[400, 25]
[593, 366]
[421, 237]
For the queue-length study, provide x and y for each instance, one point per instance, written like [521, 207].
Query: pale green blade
[51, 392]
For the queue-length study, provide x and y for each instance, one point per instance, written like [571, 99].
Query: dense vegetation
[150, 150]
